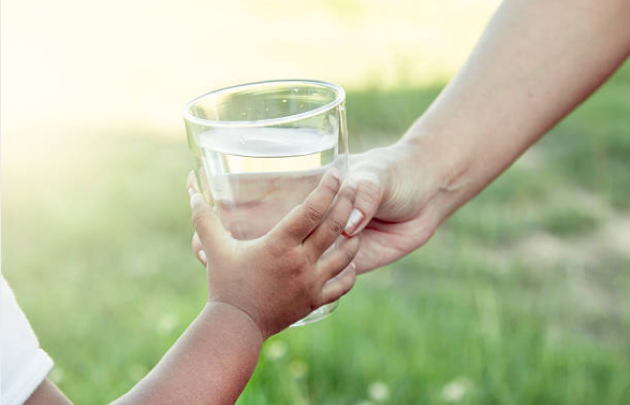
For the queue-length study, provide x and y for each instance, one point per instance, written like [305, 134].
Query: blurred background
[518, 299]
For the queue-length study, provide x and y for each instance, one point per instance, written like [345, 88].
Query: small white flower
[378, 391]
[167, 324]
[275, 350]
[298, 368]
[456, 390]
[365, 403]
[56, 375]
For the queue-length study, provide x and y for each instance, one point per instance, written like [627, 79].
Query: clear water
[258, 175]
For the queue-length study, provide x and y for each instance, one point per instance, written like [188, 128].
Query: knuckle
[276, 247]
[330, 187]
[299, 265]
[347, 286]
[349, 192]
[355, 244]
[349, 251]
[199, 220]
[346, 282]
[348, 256]
[312, 214]
[352, 275]
[334, 293]
[335, 225]
[369, 191]
[317, 301]
[295, 262]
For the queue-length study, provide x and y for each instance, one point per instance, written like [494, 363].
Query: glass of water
[259, 150]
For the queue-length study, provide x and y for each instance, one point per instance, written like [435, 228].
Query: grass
[97, 249]
[571, 221]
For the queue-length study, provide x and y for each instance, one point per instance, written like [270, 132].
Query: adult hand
[393, 209]
[397, 208]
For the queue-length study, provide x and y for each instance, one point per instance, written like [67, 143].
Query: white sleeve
[24, 364]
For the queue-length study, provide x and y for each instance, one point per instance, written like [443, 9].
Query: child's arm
[209, 364]
[257, 288]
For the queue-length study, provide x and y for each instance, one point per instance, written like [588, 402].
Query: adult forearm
[210, 364]
[536, 61]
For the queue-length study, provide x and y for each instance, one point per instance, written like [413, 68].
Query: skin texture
[256, 289]
[536, 61]
[48, 393]
[291, 259]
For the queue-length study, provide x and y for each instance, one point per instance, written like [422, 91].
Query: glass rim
[338, 90]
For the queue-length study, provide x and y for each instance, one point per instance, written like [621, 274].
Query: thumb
[368, 199]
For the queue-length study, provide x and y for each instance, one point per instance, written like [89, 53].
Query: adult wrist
[443, 164]
[440, 155]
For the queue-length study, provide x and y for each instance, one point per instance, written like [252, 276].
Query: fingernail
[203, 257]
[355, 219]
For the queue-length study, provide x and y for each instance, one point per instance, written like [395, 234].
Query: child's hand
[281, 277]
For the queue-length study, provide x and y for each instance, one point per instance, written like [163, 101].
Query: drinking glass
[259, 149]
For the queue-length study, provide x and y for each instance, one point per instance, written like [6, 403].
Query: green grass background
[520, 298]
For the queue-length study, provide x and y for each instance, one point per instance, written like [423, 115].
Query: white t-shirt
[24, 364]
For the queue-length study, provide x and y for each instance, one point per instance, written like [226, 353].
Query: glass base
[317, 315]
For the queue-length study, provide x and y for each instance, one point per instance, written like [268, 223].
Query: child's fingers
[339, 285]
[301, 221]
[197, 248]
[331, 227]
[193, 186]
[206, 223]
[338, 258]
